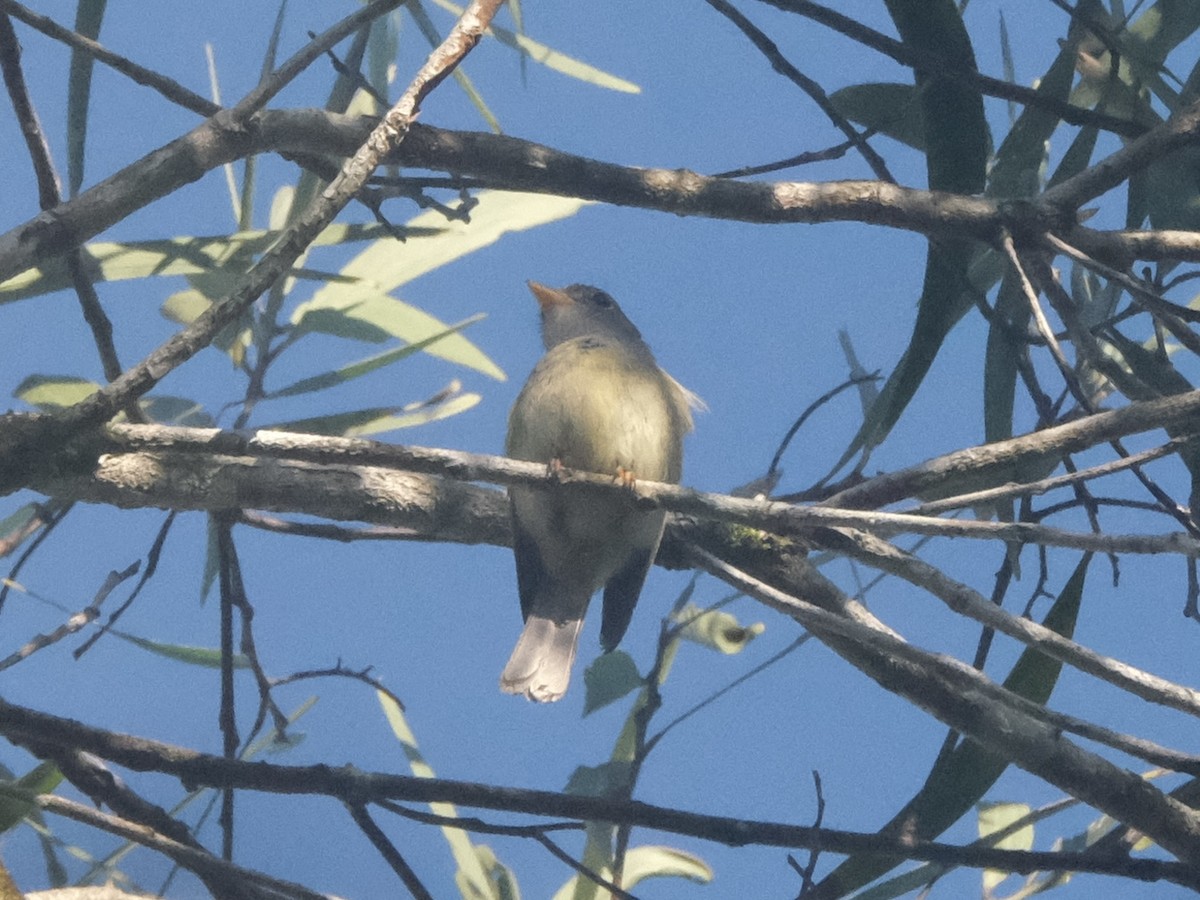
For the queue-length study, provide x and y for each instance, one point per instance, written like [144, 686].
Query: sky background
[746, 316]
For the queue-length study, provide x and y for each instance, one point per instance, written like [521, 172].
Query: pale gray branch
[768, 515]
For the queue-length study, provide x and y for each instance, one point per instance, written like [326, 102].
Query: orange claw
[626, 477]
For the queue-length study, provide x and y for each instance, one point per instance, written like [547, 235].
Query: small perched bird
[596, 402]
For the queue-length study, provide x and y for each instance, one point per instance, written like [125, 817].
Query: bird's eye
[604, 301]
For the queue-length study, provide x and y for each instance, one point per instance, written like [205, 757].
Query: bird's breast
[596, 406]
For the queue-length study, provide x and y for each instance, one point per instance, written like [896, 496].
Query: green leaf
[16, 522]
[41, 779]
[605, 780]
[244, 204]
[552, 59]
[185, 307]
[205, 657]
[960, 778]
[1158, 31]
[1000, 360]
[497, 213]
[608, 679]
[715, 629]
[1166, 191]
[996, 817]
[656, 861]
[208, 576]
[648, 861]
[1078, 155]
[1010, 69]
[1156, 371]
[868, 391]
[472, 873]
[367, 280]
[360, 311]
[370, 364]
[1017, 169]
[956, 140]
[376, 420]
[501, 879]
[51, 392]
[176, 411]
[122, 261]
[1172, 185]
[889, 108]
[383, 46]
[89, 14]
[946, 296]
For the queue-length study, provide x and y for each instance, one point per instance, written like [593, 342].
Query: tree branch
[353, 786]
[222, 469]
[512, 164]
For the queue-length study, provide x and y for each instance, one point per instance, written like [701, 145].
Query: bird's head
[580, 310]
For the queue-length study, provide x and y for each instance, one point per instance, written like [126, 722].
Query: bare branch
[223, 481]
[351, 785]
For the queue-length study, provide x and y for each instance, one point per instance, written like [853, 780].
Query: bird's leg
[556, 470]
[626, 477]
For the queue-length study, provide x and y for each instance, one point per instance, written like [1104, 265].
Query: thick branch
[782, 518]
[510, 163]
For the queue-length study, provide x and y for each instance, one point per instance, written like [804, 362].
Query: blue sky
[746, 316]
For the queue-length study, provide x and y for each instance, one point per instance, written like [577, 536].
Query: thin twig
[837, 151]
[799, 642]
[539, 833]
[168, 88]
[201, 862]
[52, 516]
[1171, 315]
[77, 622]
[227, 717]
[388, 851]
[807, 873]
[780, 64]
[964, 600]
[1177, 132]
[1043, 324]
[50, 196]
[968, 701]
[934, 63]
[152, 558]
[340, 671]
[1029, 488]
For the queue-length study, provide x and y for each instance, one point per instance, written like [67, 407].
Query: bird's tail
[540, 665]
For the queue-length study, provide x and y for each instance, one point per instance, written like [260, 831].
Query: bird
[596, 402]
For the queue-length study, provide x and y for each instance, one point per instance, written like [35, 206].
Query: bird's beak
[548, 297]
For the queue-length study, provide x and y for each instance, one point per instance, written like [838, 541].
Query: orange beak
[548, 297]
